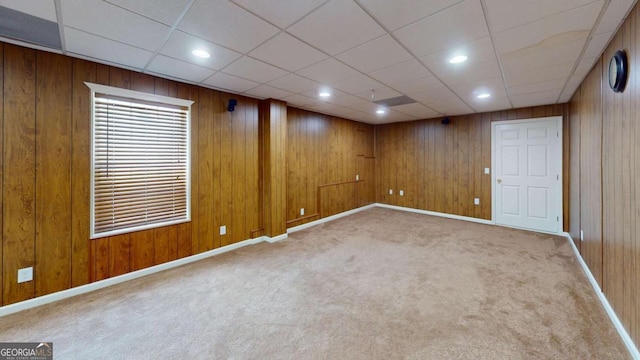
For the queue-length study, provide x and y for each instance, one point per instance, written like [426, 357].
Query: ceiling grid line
[520, 52]
[166, 39]
[416, 58]
[498, 57]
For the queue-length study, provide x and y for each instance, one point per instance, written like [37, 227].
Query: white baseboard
[633, 349]
[275, 238]
[61, 295]
[434, 213]
[328, 218]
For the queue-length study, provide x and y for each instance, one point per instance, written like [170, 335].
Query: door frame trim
[560, 170]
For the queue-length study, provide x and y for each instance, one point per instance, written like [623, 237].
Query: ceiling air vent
[396, 101]
[27, 28]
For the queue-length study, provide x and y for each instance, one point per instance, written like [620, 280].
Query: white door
[527, 174]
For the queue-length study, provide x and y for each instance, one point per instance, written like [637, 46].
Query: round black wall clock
[618, 71]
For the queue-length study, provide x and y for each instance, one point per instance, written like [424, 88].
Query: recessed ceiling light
[380, 112]
[201, 53]
[483, 96]
[324, 94]
[458, 59]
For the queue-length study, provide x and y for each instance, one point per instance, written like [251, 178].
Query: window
[140, 161]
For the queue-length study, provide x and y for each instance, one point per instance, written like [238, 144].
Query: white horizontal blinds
[140, 163]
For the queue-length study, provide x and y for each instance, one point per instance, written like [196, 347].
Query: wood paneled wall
[589, 116]
[324, 155]
[45, 173]
[274, 129]
[609, 190]
[441, 167]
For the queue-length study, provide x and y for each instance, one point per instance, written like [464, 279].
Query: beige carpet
[380, 284]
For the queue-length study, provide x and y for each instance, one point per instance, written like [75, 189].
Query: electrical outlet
[401, 193]
[476, 201]
[357, 177]
[581, 235]
[390, 191]
[25, 275]
[487, 171]
[301, 211]
[223, 230]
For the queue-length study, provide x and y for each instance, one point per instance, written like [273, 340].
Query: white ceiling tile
[399, 73]
[123, 26]
[443, 101]
[282, 13]
[379, 93]
[539, 86]
[470, 75]
[477, 52]
[376, 54]
[419, 85]
[397, 116]
[299, 100]
[506, 14]
[535, 99]
[287, 52]
[457, 25]
[517, 75]
[397, 13]
[268, 92]
[44, 9]
[491, 104]
[613, 16]
[337, 97]
[179, 69]
[294, 83]
[344, 99]
[453, 109]
[470, 90]
[356, 84]
[165, 11]
[417, 110]
[553, 30]
[255, 70]
[366, 107]
[99, 48]
[329, 108]
[544, 56]
[585, 66]
[227, 24]
[570, 89]
[328, 71]
[229, 82]
[337, 26]
[180, 45]
[354, 115]
[597, 44]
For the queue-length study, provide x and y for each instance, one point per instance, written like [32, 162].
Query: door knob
[499, 181]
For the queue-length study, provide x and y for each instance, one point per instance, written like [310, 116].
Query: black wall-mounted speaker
[446, 121]
[232, 105]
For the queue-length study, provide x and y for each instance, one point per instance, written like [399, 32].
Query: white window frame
[141, 96]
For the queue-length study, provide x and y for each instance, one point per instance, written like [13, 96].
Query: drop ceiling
[521, 52]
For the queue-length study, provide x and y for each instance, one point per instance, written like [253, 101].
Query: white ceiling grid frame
[537, 33]
[226, 24]
[124, 26]
[180, 44]
[359, 47]
[337, 26]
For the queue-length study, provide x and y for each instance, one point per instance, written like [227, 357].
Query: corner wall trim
[275, 238]
[434, 213]
[329, 218]
[83, 289]
[633, 350]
